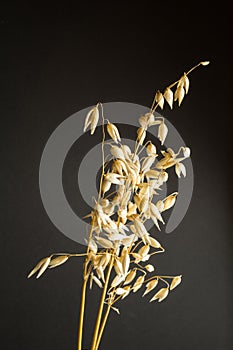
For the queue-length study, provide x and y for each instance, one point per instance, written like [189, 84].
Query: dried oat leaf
[175, 282]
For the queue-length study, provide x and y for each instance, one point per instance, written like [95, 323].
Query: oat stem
[81, 313]
[102, 148]
[100, 311]
[102, 326]
[83, 295]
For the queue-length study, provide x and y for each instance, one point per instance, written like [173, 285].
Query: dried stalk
[103, 326]
[101, 305]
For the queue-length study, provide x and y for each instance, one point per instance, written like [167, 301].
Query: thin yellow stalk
[102, 326]
[81, 314]
[83, 296]
[100, 311]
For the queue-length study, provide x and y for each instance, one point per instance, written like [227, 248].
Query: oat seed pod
[179, 94]
[180, 169]
[160, 295]
[170, 201]
[151, 150]
[92, 119]
[162, 132]
[175, 282]
[168, 95]
[150, 286]
[113, 132]
[159, 99]
[59, 260]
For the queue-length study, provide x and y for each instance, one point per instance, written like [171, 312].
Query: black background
[56, 60]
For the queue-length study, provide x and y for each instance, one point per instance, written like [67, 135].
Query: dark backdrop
[56, 60]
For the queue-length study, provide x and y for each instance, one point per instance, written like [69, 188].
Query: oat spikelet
[113, 132]
[37, 267]
[44, 267]
[184, 82]
[162, 132]
[150, 286]
[159, 99]
[168, 95]
[205, 63]
[149, 268]
[92, 119]
[170, 201]
[179, 94]
[153, 242]
[59, 260]
[130, 277]
[137, 285]
[160, 295]
[175, 282]
[180, 169]
[97, 281]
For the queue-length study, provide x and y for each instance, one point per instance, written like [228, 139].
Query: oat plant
[119, 246]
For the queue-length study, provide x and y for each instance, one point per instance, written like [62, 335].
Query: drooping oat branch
[181, 90]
